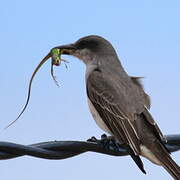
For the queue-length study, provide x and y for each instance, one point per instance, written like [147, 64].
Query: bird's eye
[87, 44]
[82, 45]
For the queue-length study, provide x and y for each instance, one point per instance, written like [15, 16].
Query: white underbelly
[97, 118]
[145, 152]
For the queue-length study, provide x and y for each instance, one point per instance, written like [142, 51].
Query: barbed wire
[67, 149]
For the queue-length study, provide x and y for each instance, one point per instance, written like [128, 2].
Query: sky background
[146, 35]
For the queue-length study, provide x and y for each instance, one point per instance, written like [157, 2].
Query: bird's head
[87, 48]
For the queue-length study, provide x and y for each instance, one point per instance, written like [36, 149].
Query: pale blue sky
[146, 35]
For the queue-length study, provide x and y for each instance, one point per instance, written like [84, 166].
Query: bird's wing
[106, 98]
[153, 125]
[147, 104]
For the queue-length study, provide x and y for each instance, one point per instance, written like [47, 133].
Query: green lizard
[55, 55]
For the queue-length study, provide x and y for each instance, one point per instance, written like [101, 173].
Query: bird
[119, 104]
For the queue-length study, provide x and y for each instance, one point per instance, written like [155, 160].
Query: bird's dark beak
[68, 49]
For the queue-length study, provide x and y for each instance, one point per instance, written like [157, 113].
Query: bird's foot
[108, 142]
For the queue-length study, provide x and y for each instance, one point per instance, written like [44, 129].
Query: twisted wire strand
[66, 149]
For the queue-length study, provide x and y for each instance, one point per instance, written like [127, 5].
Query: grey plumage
[119, 104]
[137, 81]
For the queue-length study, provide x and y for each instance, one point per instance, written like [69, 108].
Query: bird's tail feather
[170, 165]
[167, 162]
[136, 159]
